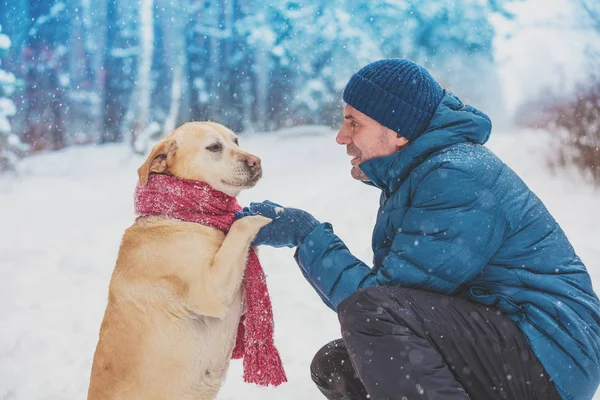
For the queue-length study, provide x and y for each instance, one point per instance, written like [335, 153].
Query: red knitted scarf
[196, 201]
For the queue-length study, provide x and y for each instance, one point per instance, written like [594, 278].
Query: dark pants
[408, 344]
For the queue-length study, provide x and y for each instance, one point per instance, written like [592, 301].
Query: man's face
[365, 139]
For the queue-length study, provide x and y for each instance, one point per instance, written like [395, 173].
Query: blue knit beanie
[397, 93]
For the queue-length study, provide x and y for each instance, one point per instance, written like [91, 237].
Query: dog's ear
[159, 160]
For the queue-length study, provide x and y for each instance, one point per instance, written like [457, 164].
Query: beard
[356, 172]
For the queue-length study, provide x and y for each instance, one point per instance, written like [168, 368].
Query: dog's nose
[253, 161]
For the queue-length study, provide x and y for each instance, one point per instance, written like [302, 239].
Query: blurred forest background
[81, 71]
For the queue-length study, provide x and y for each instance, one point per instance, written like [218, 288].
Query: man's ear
[160, 159]
[401, 141]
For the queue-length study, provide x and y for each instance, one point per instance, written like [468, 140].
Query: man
[475, 292]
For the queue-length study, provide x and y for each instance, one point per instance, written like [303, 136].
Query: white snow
[4, 42]
[6, 78]
[7, 107]
[4, 125]
[63, 215]
[263, 34]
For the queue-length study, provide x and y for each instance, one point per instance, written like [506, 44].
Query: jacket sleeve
[449, 234]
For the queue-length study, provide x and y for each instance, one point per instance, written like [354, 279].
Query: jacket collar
[452, 123]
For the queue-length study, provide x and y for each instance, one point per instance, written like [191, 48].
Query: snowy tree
[575, 120]
[170, 89]
[141, 100]
[11, 146]
[215, 64]
[304, 53]
[198, 49]
[591, 11]
[84, 91]
[301, 60]
[120, 66]
[329, 46]
[455, 41]
[47, 77]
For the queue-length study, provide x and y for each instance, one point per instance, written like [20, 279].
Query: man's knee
[319, 363]
[378, 308]
[324, 362]
[333, 372]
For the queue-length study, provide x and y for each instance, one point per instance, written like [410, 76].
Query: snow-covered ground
[63, 216]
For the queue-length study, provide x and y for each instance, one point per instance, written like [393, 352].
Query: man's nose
[253, 161]
[342, 137]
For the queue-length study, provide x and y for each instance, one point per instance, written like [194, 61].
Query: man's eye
[353, 124]
[215, 147]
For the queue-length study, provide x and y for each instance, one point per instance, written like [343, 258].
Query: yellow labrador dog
[175, 298]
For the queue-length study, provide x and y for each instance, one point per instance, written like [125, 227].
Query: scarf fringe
[263, 366]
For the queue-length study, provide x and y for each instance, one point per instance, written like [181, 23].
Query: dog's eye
[215, 147]
[236, 141]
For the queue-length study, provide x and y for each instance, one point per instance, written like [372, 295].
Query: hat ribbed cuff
[385, 108]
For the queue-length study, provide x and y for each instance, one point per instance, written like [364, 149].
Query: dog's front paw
[251, 224]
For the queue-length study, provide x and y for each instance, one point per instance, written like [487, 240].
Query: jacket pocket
[485, 296]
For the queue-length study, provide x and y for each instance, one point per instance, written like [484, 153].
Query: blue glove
[289, 226]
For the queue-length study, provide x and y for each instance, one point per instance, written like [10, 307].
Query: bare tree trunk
[83, 88]
[593, 13]
[174, 49]
[176, 91]
[142, 100]
[214, 75]
[119, 64]
[46, 65]
[262, 86]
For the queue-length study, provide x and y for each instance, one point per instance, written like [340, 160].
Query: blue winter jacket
[454, 219]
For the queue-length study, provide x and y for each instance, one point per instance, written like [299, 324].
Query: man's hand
[289, 226]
